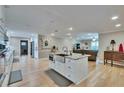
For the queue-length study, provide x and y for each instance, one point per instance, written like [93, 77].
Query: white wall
[15, 36]
[58, 42]
[44, 51]
[67, 42]
[105, 38]
[54, 41]
[70, 42]
[15, 44]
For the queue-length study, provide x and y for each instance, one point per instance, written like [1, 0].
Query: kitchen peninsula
[73, 67]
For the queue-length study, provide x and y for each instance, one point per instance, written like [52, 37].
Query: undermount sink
[62, 55]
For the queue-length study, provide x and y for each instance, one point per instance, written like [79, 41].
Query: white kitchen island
[73, 67]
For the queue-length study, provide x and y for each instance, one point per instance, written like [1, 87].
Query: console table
[113, 56]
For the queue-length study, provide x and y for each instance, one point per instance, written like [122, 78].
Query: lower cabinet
[70, 70]
[52, 64]
[60, 67]
[74, 70]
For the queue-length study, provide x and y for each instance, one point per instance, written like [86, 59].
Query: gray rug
[15, 60]
[15, 76]
[58, 79]
[1, 75]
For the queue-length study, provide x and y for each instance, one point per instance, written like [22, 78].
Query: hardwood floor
[1, 65]
[100, 75]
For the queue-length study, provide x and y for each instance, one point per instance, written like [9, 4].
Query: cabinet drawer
[69, 70]
[69, 67]
[68, 60]
[70, 77]
[60, 67]
[51, 64]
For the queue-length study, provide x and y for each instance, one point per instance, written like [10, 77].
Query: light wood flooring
[33, 71]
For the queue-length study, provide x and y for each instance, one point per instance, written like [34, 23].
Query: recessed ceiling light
[52, 34]
[70, 28]
[114, 17]
[69, 34]
[117, 25]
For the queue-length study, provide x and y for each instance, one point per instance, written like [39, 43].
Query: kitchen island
[73, 67]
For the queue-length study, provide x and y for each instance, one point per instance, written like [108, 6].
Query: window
[94, 45]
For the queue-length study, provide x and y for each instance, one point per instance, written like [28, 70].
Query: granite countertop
[75, 56]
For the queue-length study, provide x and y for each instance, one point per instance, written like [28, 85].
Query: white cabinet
[69, 69]
[1, 12]
[8, 67]
[74, 70]
[60, 67]
[51, 64]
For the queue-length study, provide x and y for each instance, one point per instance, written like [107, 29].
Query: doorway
[24, 47]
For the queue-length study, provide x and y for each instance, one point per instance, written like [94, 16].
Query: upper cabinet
[1, 12]
[3, 28]
[2, 19]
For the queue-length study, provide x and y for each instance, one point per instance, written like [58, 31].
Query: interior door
[24, 47]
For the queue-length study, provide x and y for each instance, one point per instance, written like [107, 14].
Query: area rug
[15, 60]
[15, 76]
[60, 80]
[1, 75]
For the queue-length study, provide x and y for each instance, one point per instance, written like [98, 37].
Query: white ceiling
[46, 19]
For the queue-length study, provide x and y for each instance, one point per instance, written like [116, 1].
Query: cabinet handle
[53, 61]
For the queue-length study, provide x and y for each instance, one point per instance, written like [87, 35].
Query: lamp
[112, 43]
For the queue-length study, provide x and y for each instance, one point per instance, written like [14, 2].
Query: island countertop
[73, 67]
[76, 56]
